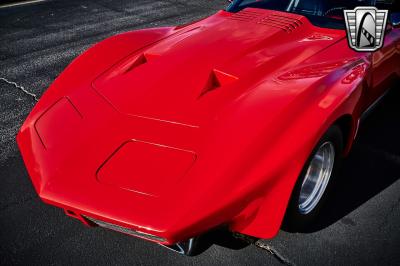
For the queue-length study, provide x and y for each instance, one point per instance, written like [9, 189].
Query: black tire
[295, 221]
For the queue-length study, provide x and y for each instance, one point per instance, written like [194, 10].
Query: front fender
[94, 61]
[301, 126]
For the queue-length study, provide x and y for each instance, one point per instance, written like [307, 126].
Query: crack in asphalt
[274, 253]
[259, 244]
[34, 96]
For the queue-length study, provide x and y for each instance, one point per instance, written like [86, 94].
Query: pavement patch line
[21, 3]
[34, 96]
[273, 252]
[259, 244]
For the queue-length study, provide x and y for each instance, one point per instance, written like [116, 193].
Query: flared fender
[264, 216]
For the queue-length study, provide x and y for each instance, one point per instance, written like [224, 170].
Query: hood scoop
[286, 23]
[216, 80]
[127, 66]
[141, 59]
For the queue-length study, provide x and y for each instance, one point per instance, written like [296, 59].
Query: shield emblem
[365, 28]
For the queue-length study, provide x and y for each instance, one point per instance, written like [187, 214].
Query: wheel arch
[348, 127]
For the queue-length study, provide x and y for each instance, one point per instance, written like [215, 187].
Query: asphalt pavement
[360, 225]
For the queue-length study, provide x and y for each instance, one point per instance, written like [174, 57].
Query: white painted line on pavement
[21, 3]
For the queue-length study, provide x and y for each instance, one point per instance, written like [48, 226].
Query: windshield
[322, 13]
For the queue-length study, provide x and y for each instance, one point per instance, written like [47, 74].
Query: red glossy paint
[173, 131]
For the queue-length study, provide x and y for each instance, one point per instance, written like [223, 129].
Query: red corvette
[240, 119]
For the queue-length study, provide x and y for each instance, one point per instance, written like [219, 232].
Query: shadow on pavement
[372, 166]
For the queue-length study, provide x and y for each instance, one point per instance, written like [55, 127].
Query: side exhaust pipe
[200, 243]
[187, 247]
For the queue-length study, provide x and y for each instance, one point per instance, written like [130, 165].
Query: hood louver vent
[287, 24]
[245, 15]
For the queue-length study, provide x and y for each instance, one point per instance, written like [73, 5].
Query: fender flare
[263, 219]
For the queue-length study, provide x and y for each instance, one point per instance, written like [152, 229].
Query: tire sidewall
[294, 219]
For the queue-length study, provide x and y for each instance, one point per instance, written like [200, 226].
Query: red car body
[173, 131]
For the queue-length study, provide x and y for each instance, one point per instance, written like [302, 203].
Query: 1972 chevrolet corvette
[240, 119]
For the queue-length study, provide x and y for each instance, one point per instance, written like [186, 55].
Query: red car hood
[133, 145]
[187, 77]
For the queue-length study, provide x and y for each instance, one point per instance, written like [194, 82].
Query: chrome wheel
[317, 177]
